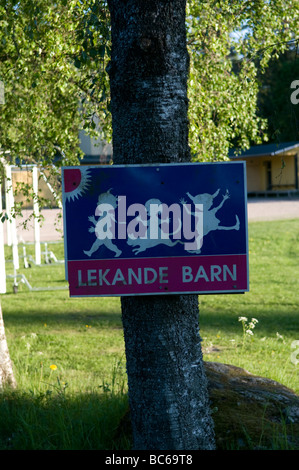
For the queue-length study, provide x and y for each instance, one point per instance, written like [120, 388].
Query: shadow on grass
[61, 422]
[68, 318]
[56, 307]
[279, 319]
[271, 317]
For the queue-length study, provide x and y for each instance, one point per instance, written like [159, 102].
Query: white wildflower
[243, 319]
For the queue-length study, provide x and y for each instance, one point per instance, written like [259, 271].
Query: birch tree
[6, 370]
[148, 81]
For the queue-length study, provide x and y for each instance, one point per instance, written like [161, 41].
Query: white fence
[11, 228]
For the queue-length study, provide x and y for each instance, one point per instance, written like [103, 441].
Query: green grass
[273, 300]
[79, 404]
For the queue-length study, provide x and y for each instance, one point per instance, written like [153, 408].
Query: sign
[156, 229]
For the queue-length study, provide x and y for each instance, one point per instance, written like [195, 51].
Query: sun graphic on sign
[76, 182]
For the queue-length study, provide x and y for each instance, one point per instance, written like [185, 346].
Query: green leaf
[77, 63]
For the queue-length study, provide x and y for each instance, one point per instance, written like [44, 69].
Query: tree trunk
[148, 77]
[6, 371]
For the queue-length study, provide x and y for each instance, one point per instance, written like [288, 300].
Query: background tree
[274, 103]
[53, 58]
[230, 45]
[6, 370]
[53, 87]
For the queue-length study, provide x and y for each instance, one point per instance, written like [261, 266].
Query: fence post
[11, 222]
[36, 216]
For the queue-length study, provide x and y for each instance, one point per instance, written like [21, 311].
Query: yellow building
[272, 169]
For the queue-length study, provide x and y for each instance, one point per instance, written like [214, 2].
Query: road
[270, 209]
[258, 210]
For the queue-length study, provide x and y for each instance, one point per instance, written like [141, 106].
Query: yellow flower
[53, 367]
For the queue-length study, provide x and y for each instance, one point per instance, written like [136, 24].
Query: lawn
[273, 300]
[68, 354]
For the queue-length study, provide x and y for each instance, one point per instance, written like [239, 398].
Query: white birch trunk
[2, 253]
[148, 81]
[6, 370]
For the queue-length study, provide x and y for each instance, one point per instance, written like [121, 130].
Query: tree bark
[6, 371]
[148, 79]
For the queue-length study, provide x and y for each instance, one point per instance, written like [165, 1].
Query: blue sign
[156, 229]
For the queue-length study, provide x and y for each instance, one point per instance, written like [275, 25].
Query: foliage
[274, 97]
[49, 76]
[52, 420]
[53, 58]
[229, 43]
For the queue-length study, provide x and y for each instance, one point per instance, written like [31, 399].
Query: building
[272, 169]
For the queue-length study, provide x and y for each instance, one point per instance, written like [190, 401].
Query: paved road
[51, 228]
[269, 209]
[258, 210]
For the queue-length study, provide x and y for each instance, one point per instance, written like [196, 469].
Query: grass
[78, 403]
[273, 300]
